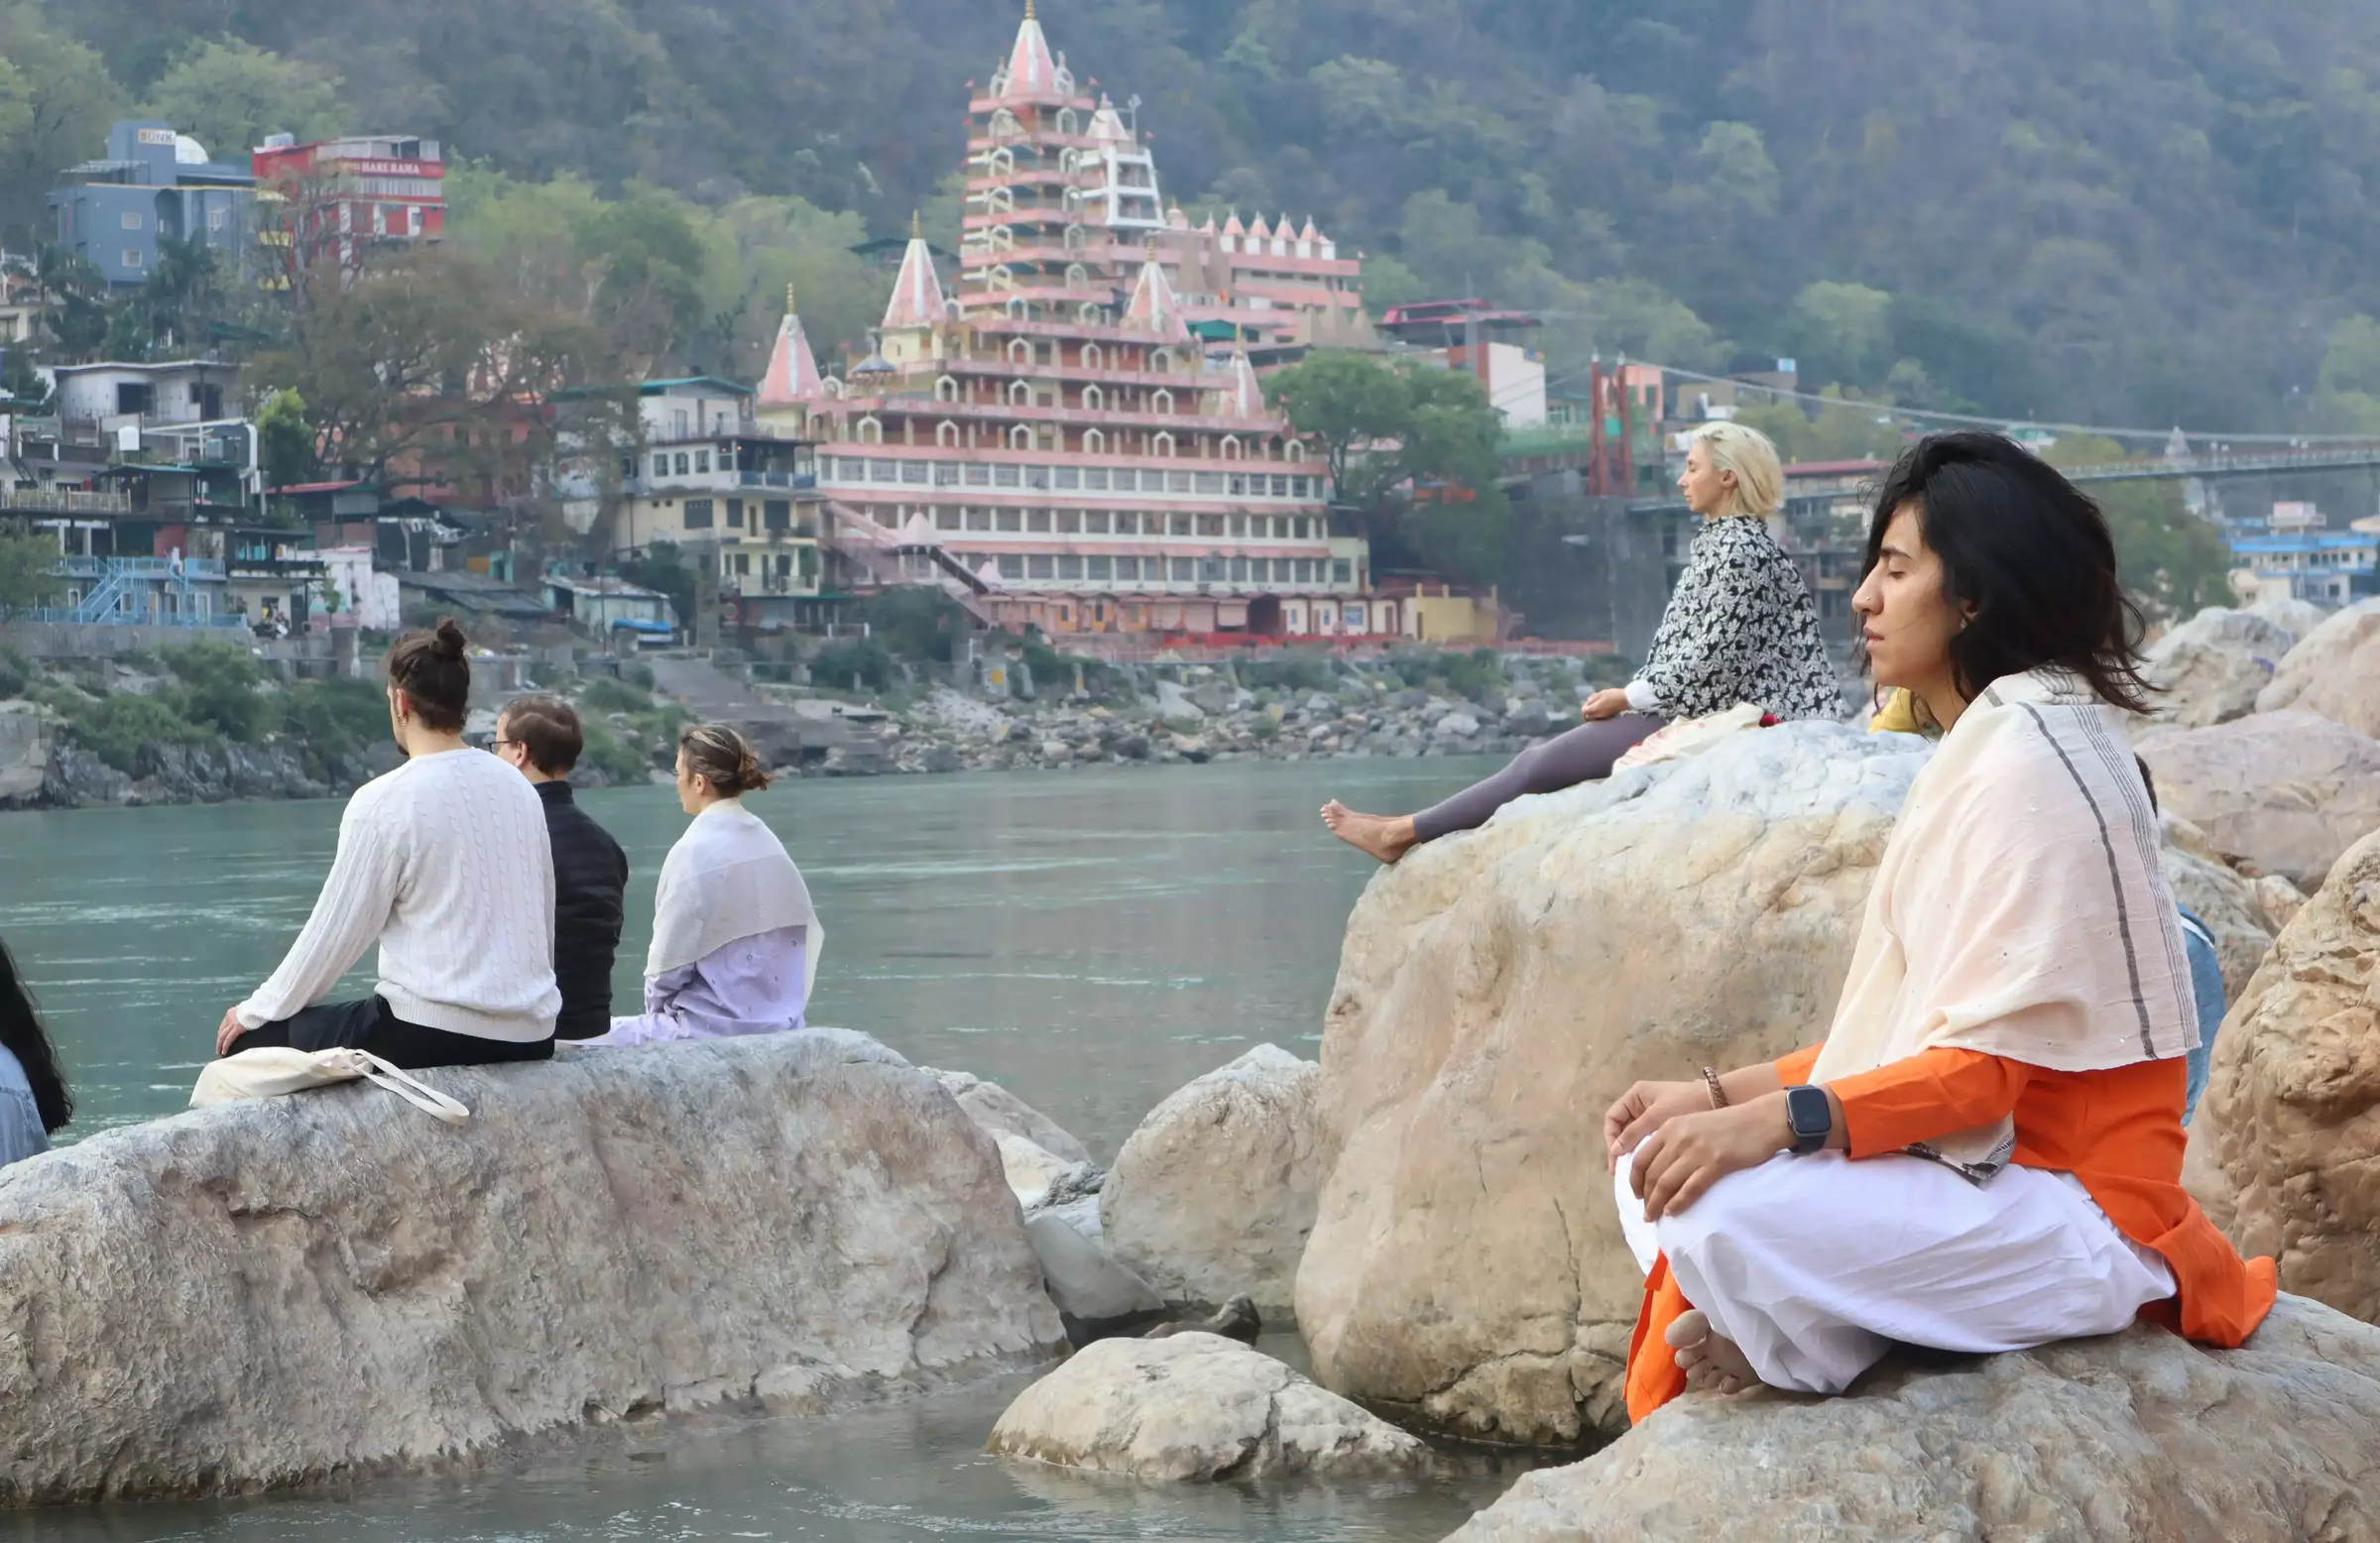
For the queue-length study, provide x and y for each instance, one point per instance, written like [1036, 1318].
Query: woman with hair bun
[735, 938]
[446, 864]
[1739, 629]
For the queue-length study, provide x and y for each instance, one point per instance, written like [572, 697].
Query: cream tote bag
[273, 1070]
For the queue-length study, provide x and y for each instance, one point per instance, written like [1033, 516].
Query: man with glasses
[542, 736]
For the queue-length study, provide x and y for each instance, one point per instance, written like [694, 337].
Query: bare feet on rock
[1712, 1364]
[1387, 837]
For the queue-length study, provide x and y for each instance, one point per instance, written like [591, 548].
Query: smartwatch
[1811, 1115]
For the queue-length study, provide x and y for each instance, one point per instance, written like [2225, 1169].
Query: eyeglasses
[501, 744]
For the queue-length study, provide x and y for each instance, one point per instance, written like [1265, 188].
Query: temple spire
[916, 289]
[793, 376]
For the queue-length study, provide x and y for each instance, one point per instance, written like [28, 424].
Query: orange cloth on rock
[2117, 1130]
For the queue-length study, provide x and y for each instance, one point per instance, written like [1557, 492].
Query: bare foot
[1387, 837]
[1711, 1361]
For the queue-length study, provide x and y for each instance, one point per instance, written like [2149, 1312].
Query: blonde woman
[1740, 628]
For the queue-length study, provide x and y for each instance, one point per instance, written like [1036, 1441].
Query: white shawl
[729, 878]
[2020, 909]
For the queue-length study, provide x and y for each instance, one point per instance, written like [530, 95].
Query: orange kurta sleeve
[1931, 1094]
[1795, 1068]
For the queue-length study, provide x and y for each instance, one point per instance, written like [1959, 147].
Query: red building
[338, 198]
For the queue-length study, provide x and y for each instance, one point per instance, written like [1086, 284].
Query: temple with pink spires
[1071, 433]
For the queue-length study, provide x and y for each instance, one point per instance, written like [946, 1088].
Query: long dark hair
[2031, 554]
[433, 672]
[21, 1033]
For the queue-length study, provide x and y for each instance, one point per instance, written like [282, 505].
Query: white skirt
[1815, 1265]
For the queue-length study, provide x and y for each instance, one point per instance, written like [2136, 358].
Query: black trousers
[370, 1026]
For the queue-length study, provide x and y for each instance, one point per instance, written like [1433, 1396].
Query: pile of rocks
[1205, 715]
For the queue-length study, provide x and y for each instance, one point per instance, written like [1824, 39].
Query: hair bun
[451, 642]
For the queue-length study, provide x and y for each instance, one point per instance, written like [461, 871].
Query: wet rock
[1096, 1295]
[2231, 906]
[1214, 1193]
[2290, 1118]
[1237, 1319]
[2140, 1434]
[2333, 670]
[939, 759]
[2283, 792]
[1196, 1407]
[271, 1293]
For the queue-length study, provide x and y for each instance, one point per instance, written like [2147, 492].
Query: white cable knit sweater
[447, 864]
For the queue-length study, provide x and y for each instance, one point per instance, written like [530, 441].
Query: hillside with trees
[2078, 210]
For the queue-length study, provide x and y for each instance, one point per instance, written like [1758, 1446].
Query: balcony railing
[65, 501]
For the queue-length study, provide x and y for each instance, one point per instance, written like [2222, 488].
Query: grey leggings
[1581, 755]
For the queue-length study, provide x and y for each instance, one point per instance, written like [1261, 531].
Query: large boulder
[2138, 1435]
[2233, 907]
[2291, 1120]
[1213, 1195]
[1196, 1406]
[1003, 1112]
[2292, 616]
[2333, 670]
[277, 1292]
[1497, 992]
[2213, 665]
[2284, 792]
[1091, 1289]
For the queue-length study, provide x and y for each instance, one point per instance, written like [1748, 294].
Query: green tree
[1353, 406]
[25, 563]
[1842, 333]
[56, 101]
[228, 95]
[285, 438]
[2172, 562]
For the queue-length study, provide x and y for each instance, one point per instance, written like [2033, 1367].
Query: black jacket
[590, 874]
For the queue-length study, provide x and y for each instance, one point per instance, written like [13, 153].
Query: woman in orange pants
[1985, 1152]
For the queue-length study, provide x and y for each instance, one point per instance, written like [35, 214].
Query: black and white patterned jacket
[1739, 628]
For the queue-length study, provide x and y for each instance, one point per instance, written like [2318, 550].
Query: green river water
[1091, 941]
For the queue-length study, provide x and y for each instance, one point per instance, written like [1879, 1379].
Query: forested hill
[2118, 210]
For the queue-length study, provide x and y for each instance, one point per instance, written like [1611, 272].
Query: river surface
[1091, 941]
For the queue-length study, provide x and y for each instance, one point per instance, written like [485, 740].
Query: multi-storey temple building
[1073, 435]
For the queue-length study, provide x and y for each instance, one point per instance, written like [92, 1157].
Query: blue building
[153, 184]
[2326, 567]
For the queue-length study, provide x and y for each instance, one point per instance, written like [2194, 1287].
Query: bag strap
[410, 1089]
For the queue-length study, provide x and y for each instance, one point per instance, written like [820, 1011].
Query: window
[785, 564]
[1070, 522]
[682, 461]
[1037, 566]
[1095, 522]
[1095, 477]
[735, 514]
[1070, 567]
[1238, 570]
[215, 218]
[949, 519]
[883, 471]
[1012, 518]
[698, 514]
[978, 520]
[1037, 476]
[132, 257]
[1210, 525]
[853, 469]
[1069, 477]
[946, 473]
[1177, 481]
[979, 476]
[1301, 486]
[702, 461]
[1178, 525]
[628, 466]
[1305, 529]
[777, 513]
[1239, 486]
[1343, 570]
[1209, 570]
[1240, 524]
[1099, 570]
[1037, 520]
[1185, 570]
[1259, 528]
[679, 423]
[1011, 565]
[1280, 487]
[1006, 476]
[1127, 523]
[743, 562]
[913, 471]
[1305, 570]
[1209, 481]
[132, 219]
